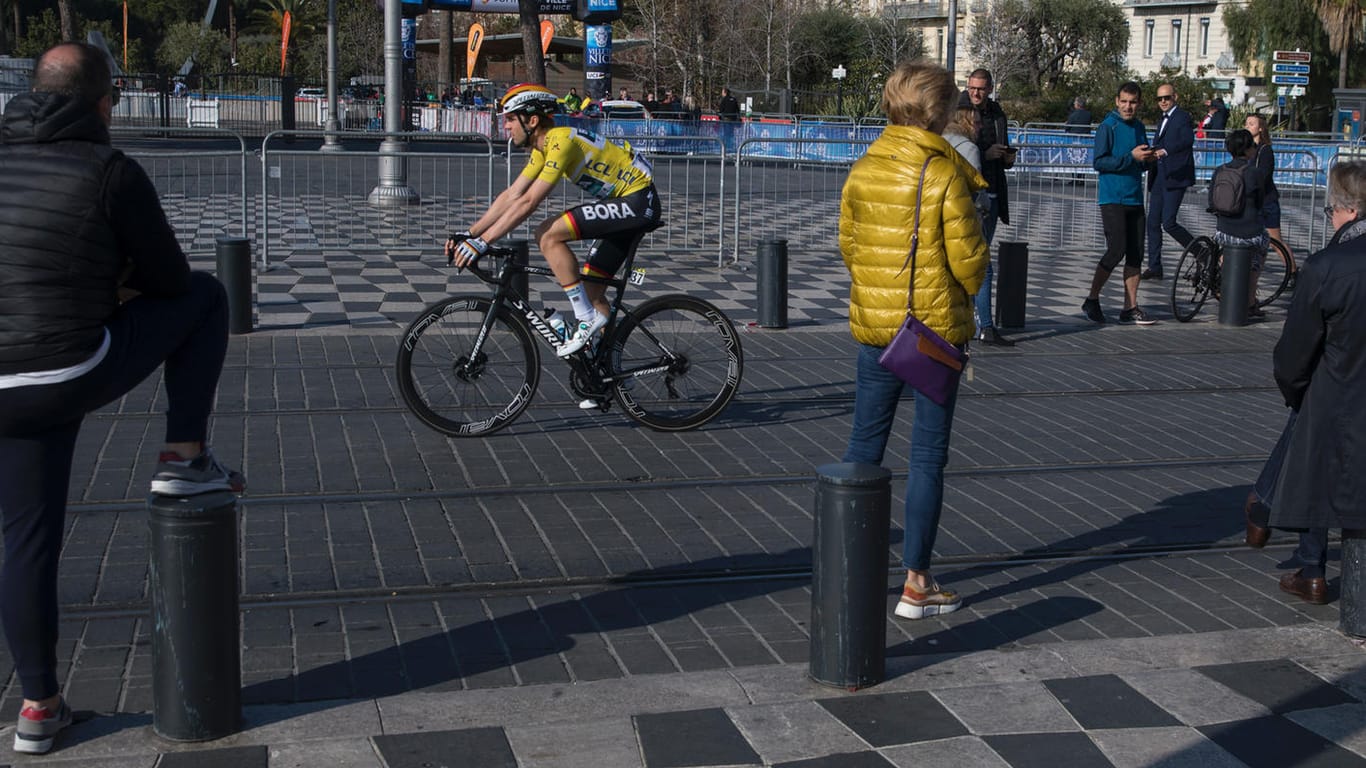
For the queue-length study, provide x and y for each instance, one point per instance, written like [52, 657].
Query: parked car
[617, 109]
[311, 92]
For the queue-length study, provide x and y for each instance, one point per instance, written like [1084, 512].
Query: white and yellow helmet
[528, 99]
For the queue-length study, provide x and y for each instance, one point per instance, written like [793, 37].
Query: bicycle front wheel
[452, 387]
[1277, 268]
[676, 363]
[1193, 281]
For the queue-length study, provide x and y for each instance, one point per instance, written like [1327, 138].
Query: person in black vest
[97, 294]
[728, 108]
[997, 156]
[1169, 177]
[1079, 119]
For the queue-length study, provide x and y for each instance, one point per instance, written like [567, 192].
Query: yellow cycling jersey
[597, 166]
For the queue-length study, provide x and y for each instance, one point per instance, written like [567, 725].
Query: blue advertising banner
[597, 61]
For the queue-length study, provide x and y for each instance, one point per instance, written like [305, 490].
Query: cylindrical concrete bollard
[234, 272]
[1012, 279]
[1352, 602]
[521, 255]
[849, 575]
[196, 672]
[773, 284]
[1235, 274]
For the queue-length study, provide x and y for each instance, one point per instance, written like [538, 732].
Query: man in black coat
[1320, 367]
[96, 294]
[993, 142]
[1169, 177]
[728, 108]
[1079, 119]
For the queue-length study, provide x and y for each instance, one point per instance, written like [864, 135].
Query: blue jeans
[982, 302]
[876, 394]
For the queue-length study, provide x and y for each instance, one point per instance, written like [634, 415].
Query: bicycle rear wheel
[1277, 269]
[455, 391]
[678, 363]
[1192, 283]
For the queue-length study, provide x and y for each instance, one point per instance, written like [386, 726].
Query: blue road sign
[1281, 68]
[1290, 79]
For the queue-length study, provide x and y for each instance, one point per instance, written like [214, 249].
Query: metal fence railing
[201, 177]
[301, 197]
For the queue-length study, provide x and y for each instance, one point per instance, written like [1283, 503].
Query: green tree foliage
[1342, 21]
[1049, 40]
[1261, 27]
[826, 39]
[41, 32]
[189, 40]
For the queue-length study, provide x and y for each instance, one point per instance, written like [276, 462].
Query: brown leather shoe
[1256, 534]
[1313, 591]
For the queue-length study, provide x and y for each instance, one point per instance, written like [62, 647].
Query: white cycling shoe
[583, 336]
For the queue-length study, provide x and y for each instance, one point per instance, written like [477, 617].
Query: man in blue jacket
[1171, 176]
[1121, 157]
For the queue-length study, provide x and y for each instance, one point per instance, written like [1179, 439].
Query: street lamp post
[393, 189]
[330, 141]
[838, 73]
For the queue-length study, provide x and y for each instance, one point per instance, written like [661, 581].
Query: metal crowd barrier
[201, 179]
[312, 199]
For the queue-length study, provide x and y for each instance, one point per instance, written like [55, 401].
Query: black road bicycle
[469, 365]
[1197, 276]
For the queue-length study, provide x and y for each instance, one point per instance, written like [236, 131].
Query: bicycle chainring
[586, 385]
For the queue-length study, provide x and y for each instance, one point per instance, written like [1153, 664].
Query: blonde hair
[1347, 186]
[919, 94]
[964, 121]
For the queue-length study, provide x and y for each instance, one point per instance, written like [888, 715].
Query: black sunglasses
[1328, 210]
[1165, 98]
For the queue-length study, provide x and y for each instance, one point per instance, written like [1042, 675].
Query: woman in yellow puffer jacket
[877, 214]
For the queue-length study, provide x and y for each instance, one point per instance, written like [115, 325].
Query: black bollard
[196, 671]
[521, 254]
[849, 575]
[773, 284]
[234, 272]
[1352, 602]
[1235, 274]
[1012, 278]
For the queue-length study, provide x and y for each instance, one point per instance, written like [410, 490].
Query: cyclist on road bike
[621, 179]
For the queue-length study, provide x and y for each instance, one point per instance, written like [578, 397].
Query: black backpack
[1228, 190]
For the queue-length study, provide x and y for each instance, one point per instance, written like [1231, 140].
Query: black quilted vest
[59, 263]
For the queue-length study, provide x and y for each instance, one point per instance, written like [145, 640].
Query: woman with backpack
[1236, 195]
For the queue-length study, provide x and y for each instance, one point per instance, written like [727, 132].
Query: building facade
[1187, 35]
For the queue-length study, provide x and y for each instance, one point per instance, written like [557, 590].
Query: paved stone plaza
[579, 591]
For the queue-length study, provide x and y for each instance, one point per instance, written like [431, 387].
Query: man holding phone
[997, 155]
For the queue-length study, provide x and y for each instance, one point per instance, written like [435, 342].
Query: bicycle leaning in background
[469, 365]
[1198, 274]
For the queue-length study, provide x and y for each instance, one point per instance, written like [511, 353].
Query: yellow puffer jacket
[876, 215]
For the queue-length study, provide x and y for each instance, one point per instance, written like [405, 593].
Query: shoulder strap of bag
[915, 239]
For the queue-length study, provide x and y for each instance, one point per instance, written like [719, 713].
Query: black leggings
[38, 428]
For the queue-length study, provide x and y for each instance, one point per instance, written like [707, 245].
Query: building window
[1204, 37]
[1175, 46]
[939, 51]
[1148, 39]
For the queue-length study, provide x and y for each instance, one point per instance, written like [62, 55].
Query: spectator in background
[1318, 368]
[572, 101]
[1079, 119]
[728, 108]
[651, 103]
[1169, 178]
[669, 106]
[959, 132]
[997, 157]
[623, 94]
[1120, 158]
[691, 111]
[1256, 125]
[97, 295]
[1215, 120]
[1245, 229]
[877, 215]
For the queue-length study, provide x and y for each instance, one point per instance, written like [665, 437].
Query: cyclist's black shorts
[614, 223]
